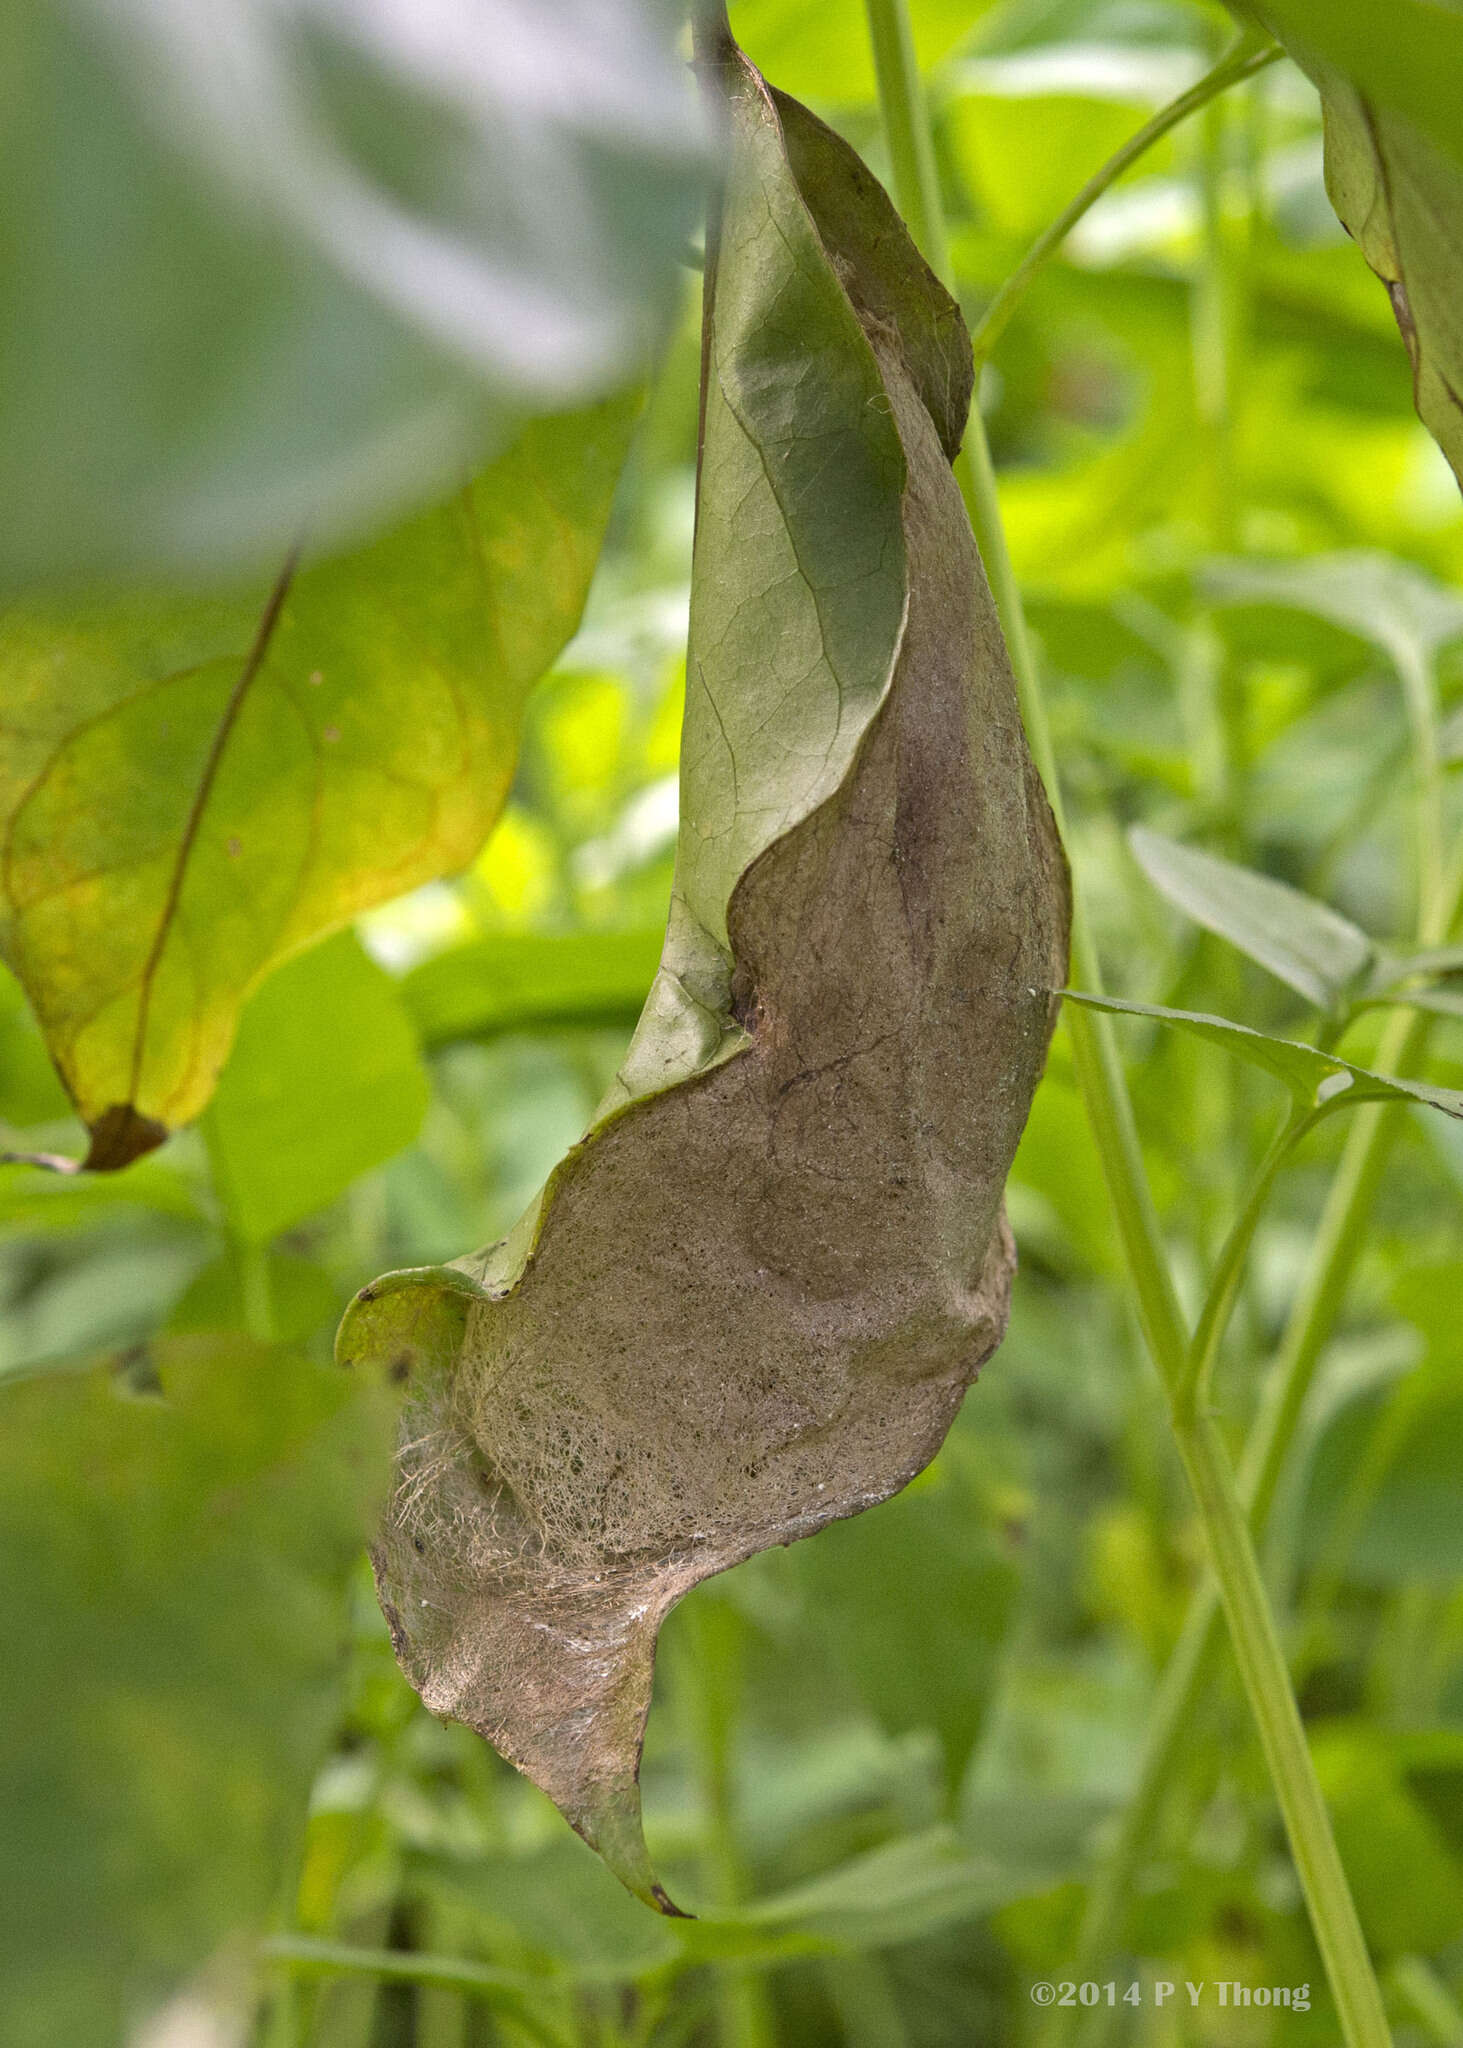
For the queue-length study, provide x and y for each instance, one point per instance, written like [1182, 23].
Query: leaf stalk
[1251, 52]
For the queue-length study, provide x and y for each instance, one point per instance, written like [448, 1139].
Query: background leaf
[514, 981]
[1408, 614]
[175, 1566]
[1316, 1079]
[1311, 947]
[196, 789]
[325, 1081]
[313, 263]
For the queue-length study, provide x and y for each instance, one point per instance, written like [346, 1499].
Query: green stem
[1313, 1316]
[1263, 1668]
[907, 131]
[711, 1687]
[1420, 694]
[1100, 1077]
[1193, 1391]
[255, 1288]
[1249, 54]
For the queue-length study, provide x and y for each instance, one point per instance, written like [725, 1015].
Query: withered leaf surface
[751, 1299]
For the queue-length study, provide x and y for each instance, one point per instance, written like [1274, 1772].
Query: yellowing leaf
[750, 1301]
[193, 789]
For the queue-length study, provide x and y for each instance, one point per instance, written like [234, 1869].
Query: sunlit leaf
[194, 789]
[1306, 944]
[791, 40]
[174, 1567]
[1408, 54]
[279, 262]
[324, 1082]
[1319, 1081]
[750, 1301]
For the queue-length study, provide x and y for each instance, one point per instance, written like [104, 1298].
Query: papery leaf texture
[751, 1299]
[269, 261]
[1394, 172]
[192, 788]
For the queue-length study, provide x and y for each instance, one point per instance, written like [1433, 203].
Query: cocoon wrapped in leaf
[750, 1300]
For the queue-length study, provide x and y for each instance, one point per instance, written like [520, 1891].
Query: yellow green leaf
[193, 788]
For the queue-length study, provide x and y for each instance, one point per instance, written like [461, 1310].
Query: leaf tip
[611, 1824]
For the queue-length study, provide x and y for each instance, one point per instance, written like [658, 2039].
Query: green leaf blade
[1306, 944]
[305, 272]
[177, 1567]
[1318, 1081]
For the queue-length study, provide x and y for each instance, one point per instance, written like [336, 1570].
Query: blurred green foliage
[882, 1763]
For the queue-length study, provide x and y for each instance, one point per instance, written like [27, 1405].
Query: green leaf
[559, 1904]
[1307, 945]
[1407, 1882]
[526, 981]
[195, 788]
[1407, 54]
[902, 1891]
[1319, 1081]
[1381, 1508]
[303, 1300]
[1390, 603]
[1393, 969]
[853, 1607]
[325, 1081]
[1388, 78]
[792, 40]
[174, 1570]
[308, 268]
[750, 1300]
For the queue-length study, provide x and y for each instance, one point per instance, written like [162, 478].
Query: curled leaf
[751, 1299]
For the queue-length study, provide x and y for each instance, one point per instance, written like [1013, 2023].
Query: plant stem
[1100, 1077]
[256, 1291]
[1263, 1668]
[1250, 53]
[907, 131]
[711, 1684]
[1312, 1318]
[1193, 1391]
